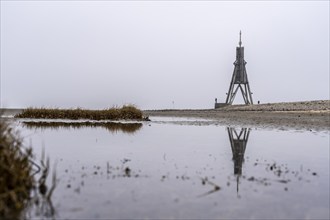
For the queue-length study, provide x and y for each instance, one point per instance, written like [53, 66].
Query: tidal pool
[181, 168]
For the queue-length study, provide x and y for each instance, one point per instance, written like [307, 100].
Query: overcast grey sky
[161, 54]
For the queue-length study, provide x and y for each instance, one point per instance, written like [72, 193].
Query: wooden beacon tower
[239, 79]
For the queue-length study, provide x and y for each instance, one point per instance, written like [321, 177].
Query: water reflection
[113, 127]
[238, 141]
[40, 203]
[119, 177]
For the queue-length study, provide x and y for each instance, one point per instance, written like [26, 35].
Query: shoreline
[312, 115]
[280, 120]
[307, 115]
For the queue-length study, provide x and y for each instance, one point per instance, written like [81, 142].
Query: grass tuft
[16, 178]
[127, 112]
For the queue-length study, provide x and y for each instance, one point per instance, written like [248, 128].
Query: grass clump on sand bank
[127, 112]
[16, 178]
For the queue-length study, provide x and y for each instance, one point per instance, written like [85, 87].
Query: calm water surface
[182, 168]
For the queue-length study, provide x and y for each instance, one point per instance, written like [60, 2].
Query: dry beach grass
[127, 112]
[22, 181]
[16, 180]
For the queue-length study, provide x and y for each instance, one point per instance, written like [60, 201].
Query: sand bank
[308, 115]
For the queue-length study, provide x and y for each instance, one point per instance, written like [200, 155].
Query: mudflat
[307, 115]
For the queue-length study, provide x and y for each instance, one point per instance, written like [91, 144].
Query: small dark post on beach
[239, 79]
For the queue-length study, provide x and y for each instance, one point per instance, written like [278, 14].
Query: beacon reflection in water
[238, 141]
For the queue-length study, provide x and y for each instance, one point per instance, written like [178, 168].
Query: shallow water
[184, 168]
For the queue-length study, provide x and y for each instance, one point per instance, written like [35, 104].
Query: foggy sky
[165, 54]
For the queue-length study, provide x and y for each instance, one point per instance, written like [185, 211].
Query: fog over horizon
[160, 54]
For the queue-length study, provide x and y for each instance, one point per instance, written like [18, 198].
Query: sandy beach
[307, 115]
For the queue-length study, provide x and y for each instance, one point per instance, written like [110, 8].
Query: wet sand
[308, 115]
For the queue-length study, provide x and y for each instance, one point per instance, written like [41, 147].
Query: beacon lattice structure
[239, 79]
